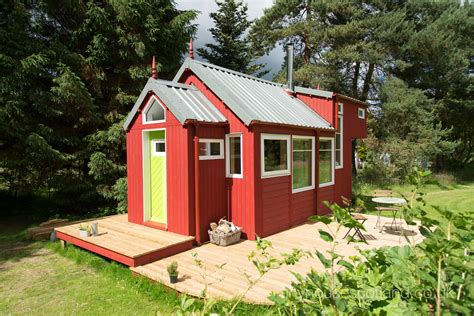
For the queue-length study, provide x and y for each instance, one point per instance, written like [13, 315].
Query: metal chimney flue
[289, 64]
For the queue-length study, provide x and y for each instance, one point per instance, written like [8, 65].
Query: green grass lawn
[41, 278]
[456, 197]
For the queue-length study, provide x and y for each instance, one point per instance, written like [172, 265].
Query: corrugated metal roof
[315, 92]
[184, 101]
[254, 99]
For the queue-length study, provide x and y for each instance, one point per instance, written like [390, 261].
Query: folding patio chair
[358, 217]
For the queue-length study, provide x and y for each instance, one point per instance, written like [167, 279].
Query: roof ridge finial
[153, 68]
[318, 87]
[191, 51]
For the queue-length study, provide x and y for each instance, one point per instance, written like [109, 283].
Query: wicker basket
[225, 239]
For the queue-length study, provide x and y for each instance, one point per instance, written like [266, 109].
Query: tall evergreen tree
[70, 72]
[232, 47]
[351, 46]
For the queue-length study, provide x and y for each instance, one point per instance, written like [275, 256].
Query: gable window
[339, 136]
[275, 153]
[154, 112]
[303, 163]
[326, 161]
[211, 149]
[158, 147]
[361, 113]
[234, 155]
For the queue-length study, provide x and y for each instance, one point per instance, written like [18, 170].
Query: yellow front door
[158, 212]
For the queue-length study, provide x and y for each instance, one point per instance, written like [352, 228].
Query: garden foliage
[433, 277]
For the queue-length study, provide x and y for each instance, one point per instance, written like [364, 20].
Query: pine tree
[232, 49]
[351, 46]
[70, 72]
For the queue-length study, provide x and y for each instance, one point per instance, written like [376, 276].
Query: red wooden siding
[178, 155]
[322, 106]
[240, 206]
[212, 184]
[277, 207]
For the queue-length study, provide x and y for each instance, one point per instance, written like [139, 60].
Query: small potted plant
[84, 230]
[173, 272]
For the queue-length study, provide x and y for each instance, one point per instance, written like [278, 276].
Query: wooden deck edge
[163, 252]
[191, 240]
[97, 249]
[129, 261]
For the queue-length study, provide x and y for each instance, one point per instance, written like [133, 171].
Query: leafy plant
[432, 277]
[85, 227]
[172, 269]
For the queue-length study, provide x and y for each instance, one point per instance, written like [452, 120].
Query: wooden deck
[126, 242]
[231, 282]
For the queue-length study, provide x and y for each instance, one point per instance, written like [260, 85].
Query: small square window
[361, 113]
[211, 149]
[159, 147]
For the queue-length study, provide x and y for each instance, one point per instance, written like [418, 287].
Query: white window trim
[342, 108]
[227, 154]
[341, 131]
[276, 173]
[149, 103]
[359, 111]
[155, 153]
[322, 185]
[211, 140]
[313, 165]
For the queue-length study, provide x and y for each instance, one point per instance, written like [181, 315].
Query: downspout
[196, 184]
[316, 174]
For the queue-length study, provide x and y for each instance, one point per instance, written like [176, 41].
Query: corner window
[211, 149]
[339, 136]
[303, 163]
[234, 156]
[154, 112]
[275, 153]
[361, 113]
[158, 147]
[326, 161]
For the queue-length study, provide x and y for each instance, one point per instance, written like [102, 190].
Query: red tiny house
[217, 118]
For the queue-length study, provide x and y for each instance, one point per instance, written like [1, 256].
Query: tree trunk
[367, 81]
[355, 80]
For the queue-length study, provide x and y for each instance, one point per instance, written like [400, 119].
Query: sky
[204, 22]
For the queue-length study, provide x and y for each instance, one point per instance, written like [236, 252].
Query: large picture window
[303, 163]
[275, 153]
[234, 156]
[326, 161]
[339, 136]
[211, 149]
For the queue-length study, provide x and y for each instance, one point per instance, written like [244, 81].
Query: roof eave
[257, 122]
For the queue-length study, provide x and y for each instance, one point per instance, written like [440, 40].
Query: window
[158, 147]
[234, 156]
[303, 163]
[275, 151]
[211, 149]
[339, 136]
[154, 112]
[326, 159]
[361, 113]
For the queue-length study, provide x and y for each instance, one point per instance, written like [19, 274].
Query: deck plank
[127, 239]
[230, 281]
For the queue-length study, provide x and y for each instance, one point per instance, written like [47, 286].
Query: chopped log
[44, 230]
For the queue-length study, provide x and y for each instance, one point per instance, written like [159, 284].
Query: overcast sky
[204, 22]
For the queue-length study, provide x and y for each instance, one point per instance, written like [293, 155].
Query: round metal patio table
[390, 201]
